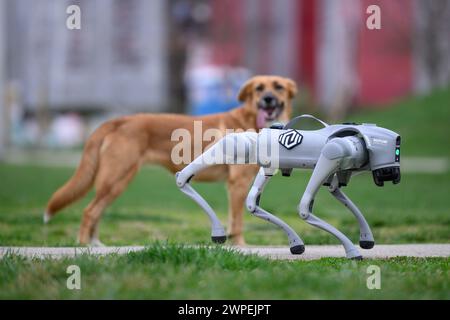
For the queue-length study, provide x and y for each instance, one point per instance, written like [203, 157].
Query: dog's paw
[237, 240]
[96, 243]
[46, 217]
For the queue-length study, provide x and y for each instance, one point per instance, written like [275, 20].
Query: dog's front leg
[239, 180]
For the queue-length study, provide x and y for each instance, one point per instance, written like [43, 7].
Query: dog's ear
[292, 88]
[246, 90]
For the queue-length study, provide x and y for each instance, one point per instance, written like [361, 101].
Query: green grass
[153, 209]
[176, 272]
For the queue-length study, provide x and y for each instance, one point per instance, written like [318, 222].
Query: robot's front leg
[366, 240]
[295, 242]
[328, 163]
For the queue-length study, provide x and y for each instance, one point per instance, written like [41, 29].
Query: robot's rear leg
[295, 242]
[218, 234]
[296, 245]
[366, 240]
[232, 149]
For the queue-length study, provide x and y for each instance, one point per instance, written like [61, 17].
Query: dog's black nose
[268, 99]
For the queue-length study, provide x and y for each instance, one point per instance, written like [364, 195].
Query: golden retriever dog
[116, 150]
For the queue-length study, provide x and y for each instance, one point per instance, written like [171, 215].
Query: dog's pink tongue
[261, 119]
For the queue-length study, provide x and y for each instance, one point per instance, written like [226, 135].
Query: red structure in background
[385, 56]
[307, 43]
[384, 63]
[228, 31]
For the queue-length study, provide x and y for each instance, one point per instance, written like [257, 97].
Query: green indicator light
[397, 152]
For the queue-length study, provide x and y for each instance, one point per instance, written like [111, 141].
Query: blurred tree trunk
[432, 44]
[337, 78]
[177, 44]
[3, 118]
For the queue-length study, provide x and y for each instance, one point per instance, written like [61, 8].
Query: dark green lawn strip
[170, 271]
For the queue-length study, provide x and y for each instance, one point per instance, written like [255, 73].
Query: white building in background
[116, 61]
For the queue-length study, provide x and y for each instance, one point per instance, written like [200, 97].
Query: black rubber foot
[298, 249]
[220, 239]
[366, 244]
[359, 258]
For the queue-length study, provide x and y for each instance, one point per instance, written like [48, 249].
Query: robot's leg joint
[305, 207]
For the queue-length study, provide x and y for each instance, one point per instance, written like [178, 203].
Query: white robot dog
[335, 153]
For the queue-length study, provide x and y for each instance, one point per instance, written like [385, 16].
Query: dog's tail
[82, 180]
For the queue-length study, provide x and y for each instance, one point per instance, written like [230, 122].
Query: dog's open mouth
[268, 114]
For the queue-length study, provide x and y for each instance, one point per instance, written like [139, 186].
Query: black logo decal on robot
[290, 139]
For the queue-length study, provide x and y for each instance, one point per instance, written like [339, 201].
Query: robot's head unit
[384, 155]
[382, 145]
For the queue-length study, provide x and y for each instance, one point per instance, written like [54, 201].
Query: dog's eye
[260, 88]
[278, 87]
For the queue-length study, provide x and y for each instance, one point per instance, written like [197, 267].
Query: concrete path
[312, 252]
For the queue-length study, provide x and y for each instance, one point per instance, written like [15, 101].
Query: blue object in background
[213, 89]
